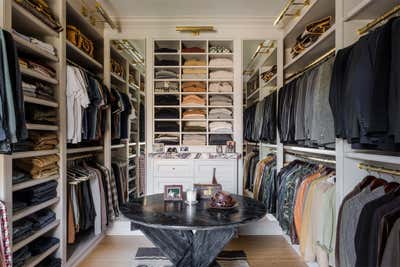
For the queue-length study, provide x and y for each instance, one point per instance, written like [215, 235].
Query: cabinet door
[225, 172]
[173, 168]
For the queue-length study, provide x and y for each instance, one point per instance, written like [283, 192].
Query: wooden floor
[262, 251]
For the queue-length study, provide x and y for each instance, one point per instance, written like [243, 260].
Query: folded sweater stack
[220, 100]
[194, 140]
[220, 87]
[193, 87]
[193, 100]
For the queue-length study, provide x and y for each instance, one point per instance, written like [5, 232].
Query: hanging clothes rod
[376, 21]
[82, 68]
[367, 167]
[83, 156]
[286, 9]
[313, 159]
[319, 60]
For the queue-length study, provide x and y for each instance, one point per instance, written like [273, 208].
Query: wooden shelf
[23, 19]
[36, 75]
[375, 157]
[273, 146]
[83, 249]
[271, 82]
[369, 9]
[325, 43]
[41, 127]
[33, 182]
[81, 58]
[118, 146]
[307, 150]
[35, 260]
[132, 144]
[29, 154]
[253, 93]
[117, 78]
[30, 210]
[38, 101]
[84, 149]
[31, 49]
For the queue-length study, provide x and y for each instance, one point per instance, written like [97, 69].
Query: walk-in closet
[199, 133]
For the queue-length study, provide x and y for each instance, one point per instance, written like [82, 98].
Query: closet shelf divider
[28, 154]
[33, 182]
[84, 149]
[30, 210]
[36, 75]
[38, 101]
[36, 235]
[80, 57]
[41, 127]
[308, 150]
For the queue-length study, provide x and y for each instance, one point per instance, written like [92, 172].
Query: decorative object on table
[172, 150]
[230, 147]
[191, 197]
[184, 149]
[219, 149]
[75, 36]
[222, 200]
[206, 191]
[158, 148]
[173, 193]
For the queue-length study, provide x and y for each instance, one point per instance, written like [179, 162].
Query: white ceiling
[194, 8]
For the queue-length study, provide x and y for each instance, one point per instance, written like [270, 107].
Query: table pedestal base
[185, 248]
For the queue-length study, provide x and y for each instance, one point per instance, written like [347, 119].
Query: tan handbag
[79, 40]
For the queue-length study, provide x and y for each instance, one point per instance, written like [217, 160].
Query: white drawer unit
[187, 172]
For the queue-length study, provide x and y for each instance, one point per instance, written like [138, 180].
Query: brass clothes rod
[376, 21]
[367, 167]
[286, 9]
[83, 156]
[312, 64]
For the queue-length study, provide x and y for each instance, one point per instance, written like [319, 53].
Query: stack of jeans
[37, 194]
[20, 256]
[22, 229]
[19, 176]
[42, 218]
[50, 262]
[42, 244]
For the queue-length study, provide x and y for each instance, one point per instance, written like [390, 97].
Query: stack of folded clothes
[220, 127]
[37, 67]
[41, 114]
[37, 141]
[194, 140]
[36, 194]
[220, 113]
[19, 176]
[166, 126]
[194, 62]
[21, 230]
[194, 114]
[166, 100]
[167, 139]
[166, 74]
[219, 49]
[219, 139]
[269, 74]
[50, 262]
[220, 87]
[166, 62]
[48, 48]
[194, 74]
[165, 50]
[39, 167]
[195, 126]
[166, 87]
[193, 87]
[220, 62]
[38, 90]
[221, 74]
[220, 100]
[42, 244]
[167, 113]
[193, 100]
[20, 256]
[193, 50]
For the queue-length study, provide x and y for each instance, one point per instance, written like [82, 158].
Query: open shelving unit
[180, 58]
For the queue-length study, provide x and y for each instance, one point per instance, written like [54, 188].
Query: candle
[191, 195]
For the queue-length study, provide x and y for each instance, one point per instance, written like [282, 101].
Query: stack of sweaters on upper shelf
[39, 167]
[194, 140]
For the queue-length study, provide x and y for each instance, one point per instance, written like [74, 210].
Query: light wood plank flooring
[262, 251]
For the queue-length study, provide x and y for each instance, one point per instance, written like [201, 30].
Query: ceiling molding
[196, 20]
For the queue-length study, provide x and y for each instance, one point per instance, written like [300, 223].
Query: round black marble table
[170, 226]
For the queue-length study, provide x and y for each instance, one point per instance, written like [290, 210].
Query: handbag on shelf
[116, 68]
[75, 36]
[267, 75]
[311, 34]
[41, 10]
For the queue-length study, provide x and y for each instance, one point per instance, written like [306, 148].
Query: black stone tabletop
[153, 211]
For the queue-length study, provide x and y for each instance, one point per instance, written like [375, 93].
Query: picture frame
[158, 148]
[173, 193]
[184, 149]
[230, 147]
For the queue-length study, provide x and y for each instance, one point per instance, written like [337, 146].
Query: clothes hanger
[377, 183]
[367, 181]
[390, 187]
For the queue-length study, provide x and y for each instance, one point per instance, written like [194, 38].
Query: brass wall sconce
[195, 30]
